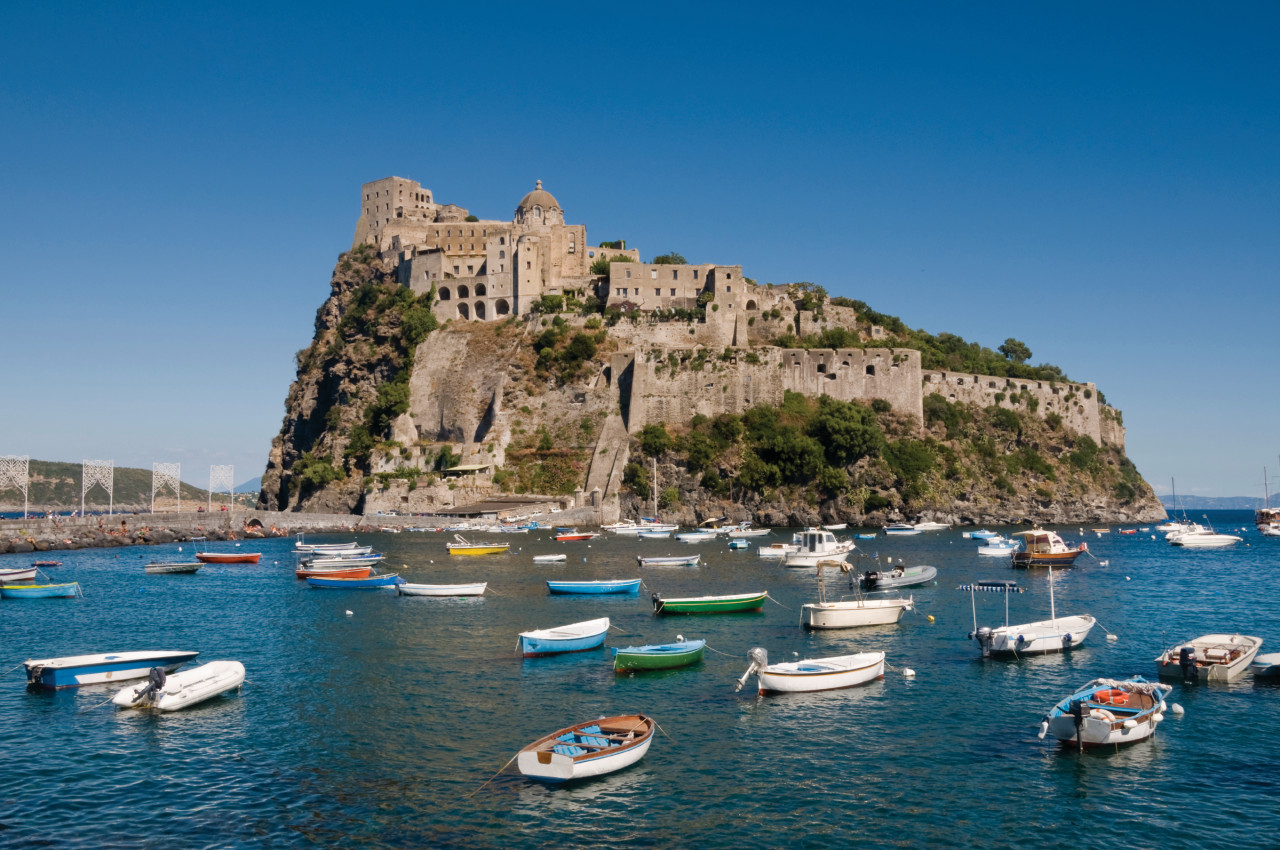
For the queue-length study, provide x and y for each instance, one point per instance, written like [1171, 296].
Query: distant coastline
[1211, 503]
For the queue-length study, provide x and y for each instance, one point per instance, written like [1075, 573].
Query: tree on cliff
[670, 259]
[1016, 350]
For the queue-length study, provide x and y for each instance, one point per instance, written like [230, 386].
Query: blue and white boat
[981, 534]
[388, 580]
[575, 637]
[622, 585]
[1108, 712]
[653, 535]
[40, 591]
[74, 670]
[697, 536]
[737, 543]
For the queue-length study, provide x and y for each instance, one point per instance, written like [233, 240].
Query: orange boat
[228, 557]
[340, 572]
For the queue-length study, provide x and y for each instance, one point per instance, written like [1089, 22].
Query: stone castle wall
[1076, 403]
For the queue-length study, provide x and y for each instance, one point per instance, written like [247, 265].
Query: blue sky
[1099, 181]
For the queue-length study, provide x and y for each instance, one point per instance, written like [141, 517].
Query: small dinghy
[710, 604]
[813, 674]
[1209, 658]
[622, 585]
[1266, 666]
[172, 567]
[839, 526]
[697, 536]
[71, 671]
[388, 580]
[850, 613]
[549, 559]
[463, 546]
[652, 535]
[1107, 712]
[588, 749]
[25, 574]
[407, 589]
[343, 560]
[898, 577]
[659, 656]
[40, 591]
[229, 557]
[170, 692]
[575, 637]
[677, 561]
[738, 543]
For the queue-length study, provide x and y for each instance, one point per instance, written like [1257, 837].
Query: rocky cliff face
[384, 401]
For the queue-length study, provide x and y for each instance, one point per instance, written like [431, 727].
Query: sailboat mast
[655, 489]
[1053, 612]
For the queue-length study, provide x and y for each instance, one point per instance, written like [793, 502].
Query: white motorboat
[777, 551]
[928, 525]
[1202, 537]
[898, 576]
[474, 589]
[744, 529]
[998, 546]
[901, 528]
[1209, 658]
[549, 559]
[818, 545]
[1055, 634]
[696, 536]
[1108, 712]
[851, 613]
[812, 674]
[172, 691]
[75, 670]
[838, 526]
[172, 567]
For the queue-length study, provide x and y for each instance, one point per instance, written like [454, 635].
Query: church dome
[539, 197]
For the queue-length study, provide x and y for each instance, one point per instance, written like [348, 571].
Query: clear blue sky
[1098, 180]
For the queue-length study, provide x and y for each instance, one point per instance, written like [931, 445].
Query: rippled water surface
[382, 727]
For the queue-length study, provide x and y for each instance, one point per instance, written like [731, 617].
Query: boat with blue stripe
[575, 637]
[623, 585]
[40, 591]
[74, 670]
[388, 580]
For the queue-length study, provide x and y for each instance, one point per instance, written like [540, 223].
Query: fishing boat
[997, 546]
[172, 567]
[24, 574]
[1045, 549]
[898, 576]
[626, 585]
[549, 559]
[463, 546]
[837, 526]
[818, 545]
[228, 557]
[71, 671]
[352, 548]
[577, 535]
[172, 691]
[575, 637]
[671, 561]
[1108, 712]
[1209, 658]
[474, 589]
[850, 613]
[1266, 666]
[744, 529]
[710, 604]
[312, 571]
[901, 528]
[588, 749]
[1055, 634]
[812, 674]
[658, 656]
[387, 580]
[738, 544]
[40, 591]
[340, 561]
[697, 536]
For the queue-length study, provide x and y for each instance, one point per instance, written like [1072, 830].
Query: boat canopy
[993, 587]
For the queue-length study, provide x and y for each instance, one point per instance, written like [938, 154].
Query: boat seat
[567, 750]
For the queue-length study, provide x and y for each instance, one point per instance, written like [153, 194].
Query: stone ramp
[611, 453]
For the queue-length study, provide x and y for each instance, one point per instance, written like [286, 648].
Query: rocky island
[460, 363]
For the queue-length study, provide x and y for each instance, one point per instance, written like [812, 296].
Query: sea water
[369, 719]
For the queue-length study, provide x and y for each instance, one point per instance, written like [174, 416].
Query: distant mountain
[1212, 503]
[54, 485]
[253, 485]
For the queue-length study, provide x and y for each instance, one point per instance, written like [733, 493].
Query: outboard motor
[1077, 714]
[657, 601]
[155, 684]
[985, 639]
[1066, 641]
[1187, 661]
[759, 660]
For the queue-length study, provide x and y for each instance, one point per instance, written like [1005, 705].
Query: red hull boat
[228, 557]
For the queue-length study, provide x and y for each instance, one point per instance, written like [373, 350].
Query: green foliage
[807, 295]
[847, 430]
[545, 443]
[1085, 454]
[1003, 418]
[833, 480]
[881, 405]
[668, 497]
[669, 259]
[1124, 491]
[654, 439]
[636, 476]
[471, 218]
[1015, 350]
[938, 409]
[618, 245]
[447, 459]
[1053, 420]
[360, 444]
[550, 304]
[910, 459]
[875, 502]
[600, 266]
[313, 472]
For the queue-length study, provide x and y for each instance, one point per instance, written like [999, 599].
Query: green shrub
[654, 439]
[875, 502]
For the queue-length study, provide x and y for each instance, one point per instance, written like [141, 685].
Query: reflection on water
[379, 727]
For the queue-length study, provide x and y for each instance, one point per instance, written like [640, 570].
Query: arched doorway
[464, 312]
[501, 307]
[751, 305]
[481, 290]
[463, 292]
[480, 310]
[443, 293]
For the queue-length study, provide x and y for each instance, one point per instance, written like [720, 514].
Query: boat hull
[185, 689]
[690, 561]
[228, 557]
[40, 591]
[1112, 713]
[17, 575]
[477, 549]
[335, 572]
[658, 656]
[173, 569]
[908, 577]
[576, 637]
[853, 613]
[373, 582]
[709, 604]
[476, 589]
[821, 674]
[588, 749]
[76, 670]
[1216, 658]
[1046, 559]
[594, 588]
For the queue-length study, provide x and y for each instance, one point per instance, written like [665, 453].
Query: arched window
[481, 290]
[502, 255]
[480, 310]
[537, 212]
[502, 308]
[443, 293]
[464, 312]
[463, 292]
[751, 305]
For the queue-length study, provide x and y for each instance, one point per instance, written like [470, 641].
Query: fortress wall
[1067, 399]
[1113, 432]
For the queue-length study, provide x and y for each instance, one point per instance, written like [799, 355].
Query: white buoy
[1044, 727]
[1112, 637]
[1178, 710]
[1104, 563]
[1126, 578]
[908, 672]
[350, 613]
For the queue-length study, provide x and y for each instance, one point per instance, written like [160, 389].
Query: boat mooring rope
[495, 776]
[10, 670]
[99, 705]
[726, 654]
[776, 602]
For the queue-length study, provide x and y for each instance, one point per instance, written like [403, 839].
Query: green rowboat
[661, 656]
[710, 604]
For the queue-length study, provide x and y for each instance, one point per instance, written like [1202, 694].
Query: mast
[655, 489]
[1053, 613]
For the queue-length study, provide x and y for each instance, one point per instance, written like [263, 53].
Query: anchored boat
[172, 567]
[676, 561]
[1209, 658]
[1045, 549]
[387, 580]
[588, 749]
[462, 546]
[1043, 636]
[474, 589]
[625, 585]
[710, 604]
[898, 577]
[659, 656]
[229, 557]
[74, 670]
[165, 692]
[575, 637]
[1108, 712]
[850, 613]
[813, 674]
[40, 591]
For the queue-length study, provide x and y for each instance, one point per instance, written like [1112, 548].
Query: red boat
[340, 572]
[46, 563]
[228, 557]
[577, 536]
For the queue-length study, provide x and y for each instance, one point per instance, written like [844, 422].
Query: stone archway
[464, 311]
[480, 310]
[481, 289]
[501, 307]
[463, 292]
[443, 293]
[751, 305]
